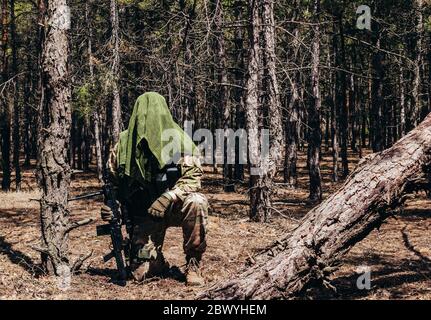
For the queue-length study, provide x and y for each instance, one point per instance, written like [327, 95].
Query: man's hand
[106, 213]
[160, 206]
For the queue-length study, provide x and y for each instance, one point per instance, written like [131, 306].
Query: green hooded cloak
[151, 120]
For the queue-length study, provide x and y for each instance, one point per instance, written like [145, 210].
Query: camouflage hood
[152, 121]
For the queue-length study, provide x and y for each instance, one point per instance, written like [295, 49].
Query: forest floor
[398, 255]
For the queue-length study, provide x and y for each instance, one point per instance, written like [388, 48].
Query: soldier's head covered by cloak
[152, 136]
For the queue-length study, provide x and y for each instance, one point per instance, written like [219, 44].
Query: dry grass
[399, 260]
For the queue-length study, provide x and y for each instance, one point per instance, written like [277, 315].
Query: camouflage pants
[149, 233]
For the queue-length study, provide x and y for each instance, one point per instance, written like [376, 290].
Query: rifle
[113, 228]
[87, 195]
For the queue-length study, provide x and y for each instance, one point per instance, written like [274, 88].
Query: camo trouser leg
[147, 239]
[192, 216]
[148, 234]
[146, 256]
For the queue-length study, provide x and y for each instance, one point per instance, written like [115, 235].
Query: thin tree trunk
[259, 191]
[313, 250]
[116, 118]
[343, 113]
[239, 92]
[223, 92]
[402, 102]
[416, 100]
[272, 87]
[95, 116]
[16, 105]
[292, 123]
[261, 182]
[315, 132]
[27, 114]
[334, 116]
[6, 114]
[377, 95]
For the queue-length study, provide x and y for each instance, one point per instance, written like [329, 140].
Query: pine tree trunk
[402, 102]
[116, 118]
[334, 117]
[292, 123]
[343, 108]
[239, 91]
[416, 100]
[262, 26]
[95, 117]
[271, 86]
[315, 133]
[55, 122]
[16, 106]
[308, 256]
[27, 115]
[259, 189]
[377, 96]
[5, 121]
[223, 92]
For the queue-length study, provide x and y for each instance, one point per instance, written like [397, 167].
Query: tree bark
[115, 69]
[27, 113]
[378, 75]
[55, 121]
[262, 26]
[334, 116]
[414, 113]
[313, 250]
[95, 116]
[259, 197]
[315, 132]
[239, 90]
[16, 105]
[402, 101]
[292, 122]
[5, 120]
[223, 92]
[271, 85]
[343, 108]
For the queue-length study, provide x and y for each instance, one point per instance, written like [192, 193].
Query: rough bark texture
[343, 107]
[271, 86]
[115, 42]
[310, 253]
[223, 92]
[315, 133]
[5, 119]
[378, 74]
[416, 98]
[334, 117]
[95, 117]
[259, 198]
[16, 105]
[262, 26]
[238, 95]
[55, 122]
[292, 122]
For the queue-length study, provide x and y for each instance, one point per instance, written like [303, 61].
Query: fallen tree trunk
[313, 250]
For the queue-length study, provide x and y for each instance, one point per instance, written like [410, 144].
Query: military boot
[193, 273]
[147, 269]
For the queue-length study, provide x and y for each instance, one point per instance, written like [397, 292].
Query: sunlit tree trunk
[55, 121]
[116, 124]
